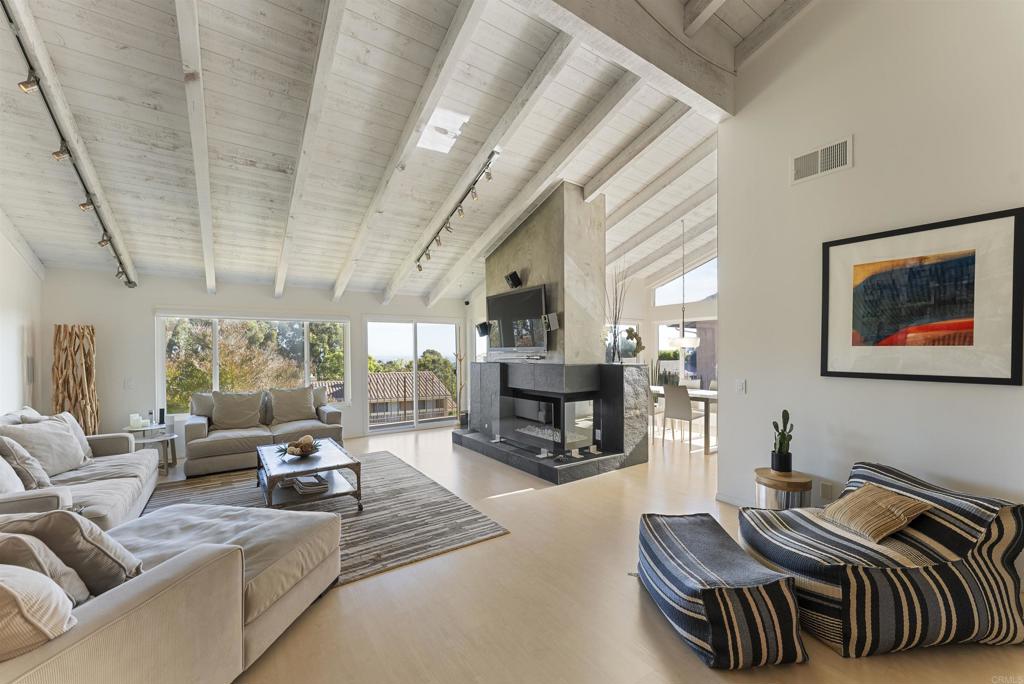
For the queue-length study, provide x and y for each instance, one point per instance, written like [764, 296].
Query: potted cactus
[782, 458]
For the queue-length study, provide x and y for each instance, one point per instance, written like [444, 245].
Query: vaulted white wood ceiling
[282, 142]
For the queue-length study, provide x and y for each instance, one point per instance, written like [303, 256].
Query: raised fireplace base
[557, 470]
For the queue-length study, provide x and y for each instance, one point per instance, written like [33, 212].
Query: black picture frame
[1016, 376]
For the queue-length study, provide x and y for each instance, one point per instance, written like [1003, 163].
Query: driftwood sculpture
[74, 374]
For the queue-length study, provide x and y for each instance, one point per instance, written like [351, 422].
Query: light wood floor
[552, 601]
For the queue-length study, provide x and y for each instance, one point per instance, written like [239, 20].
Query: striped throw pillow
[874, 512]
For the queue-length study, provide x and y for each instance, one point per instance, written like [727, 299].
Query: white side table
[161, 438]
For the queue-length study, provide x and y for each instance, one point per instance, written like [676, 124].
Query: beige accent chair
[212, 450]
[112, 488]
[219, 585]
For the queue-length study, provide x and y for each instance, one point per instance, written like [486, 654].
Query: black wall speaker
[551, 321]
[483, 329]
[513, 280]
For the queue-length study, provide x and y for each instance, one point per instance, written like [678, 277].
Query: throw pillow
[68, 419]
[29, 470]
[30, 552]
[201, 404]
[50, 442]
[236, 409]
[289, 405]
[33, 610]
[100, 560]
[10, 483]
[874, 512]
[319, 396]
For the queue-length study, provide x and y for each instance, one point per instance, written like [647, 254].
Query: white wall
[126, 333]
[21, 296]
[934, 94]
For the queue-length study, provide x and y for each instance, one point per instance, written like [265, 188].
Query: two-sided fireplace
[560, 425]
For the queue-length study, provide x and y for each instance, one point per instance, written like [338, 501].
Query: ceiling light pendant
[30, 84]
[104, 241]
[419, 266]
[461, 212]
[63, 153]
[472, 193]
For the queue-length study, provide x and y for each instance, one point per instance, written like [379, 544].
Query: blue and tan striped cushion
[732, 611]
[913, 589]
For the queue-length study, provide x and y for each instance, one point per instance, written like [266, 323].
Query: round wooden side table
[779, 491]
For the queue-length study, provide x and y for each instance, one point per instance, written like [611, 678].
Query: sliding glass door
[412, 373]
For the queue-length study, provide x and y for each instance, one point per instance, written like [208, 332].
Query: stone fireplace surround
[620, 396]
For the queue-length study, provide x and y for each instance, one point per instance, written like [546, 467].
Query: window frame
[160, 329]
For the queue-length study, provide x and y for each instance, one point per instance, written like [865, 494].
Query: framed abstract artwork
[942, 302]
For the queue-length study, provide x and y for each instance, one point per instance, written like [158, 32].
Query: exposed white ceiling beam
[657, 255]
[17, 240]
[652, 136]
[697, 12]
[642, 39]
[550, 65]
[531, 195]
[39, 56]
[446, 62]
[695, 259]
[192, 66]
[330, 32]
[767, 29]
[670, 175]
[673, 215]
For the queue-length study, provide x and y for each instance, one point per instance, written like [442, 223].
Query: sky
[701, 283]
[387, 341]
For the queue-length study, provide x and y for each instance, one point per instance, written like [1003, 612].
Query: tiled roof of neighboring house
[335, 389]
[397, 386]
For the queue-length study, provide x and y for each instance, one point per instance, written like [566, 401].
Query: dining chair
[713, 385]
[679, 407]
[655, 406]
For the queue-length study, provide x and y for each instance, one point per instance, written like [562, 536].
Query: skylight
[443, 129]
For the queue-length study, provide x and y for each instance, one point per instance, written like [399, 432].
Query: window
[251, 354]
[701, 283]
[188, 360]
[627, 347]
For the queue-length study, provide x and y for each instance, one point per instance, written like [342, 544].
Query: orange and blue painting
[918, 301]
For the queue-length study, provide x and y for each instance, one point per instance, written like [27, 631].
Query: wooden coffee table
[330, 461]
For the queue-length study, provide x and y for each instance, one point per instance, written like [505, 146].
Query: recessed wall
[933, 94]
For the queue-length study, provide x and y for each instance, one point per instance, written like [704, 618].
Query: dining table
[706, 397]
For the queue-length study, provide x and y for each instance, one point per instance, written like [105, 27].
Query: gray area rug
[407, 516]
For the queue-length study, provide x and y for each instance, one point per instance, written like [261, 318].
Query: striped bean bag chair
[732, 611]
[948, 577]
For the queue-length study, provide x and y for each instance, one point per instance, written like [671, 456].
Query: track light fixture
[63, 153]
[459, 210]
[487, 175]
[120, 273]
[104, 241]
[86, 205]
[30, 84]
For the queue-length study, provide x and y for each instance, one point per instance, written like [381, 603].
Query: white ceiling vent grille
[832, 157]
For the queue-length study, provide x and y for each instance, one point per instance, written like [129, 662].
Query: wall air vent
[832, 157]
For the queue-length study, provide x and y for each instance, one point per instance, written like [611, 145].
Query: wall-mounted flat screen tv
[517, 321]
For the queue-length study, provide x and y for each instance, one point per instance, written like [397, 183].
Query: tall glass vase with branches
[615, 301]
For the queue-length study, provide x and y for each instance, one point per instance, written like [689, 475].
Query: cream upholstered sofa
[211, 448]
[111, 488]
[219, 585]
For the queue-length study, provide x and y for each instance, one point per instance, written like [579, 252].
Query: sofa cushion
[279, 547]
[68, 419]
[29, 470]
[29, 552]
[107, 503]
[142, 464]
[292, 404]
[201, 404]
[223, 442]
[33, 610]
[99, 560]
[15, 417]
[51, 442]
[10, 483]
[236, 409]
[291, 431]
[874, 512]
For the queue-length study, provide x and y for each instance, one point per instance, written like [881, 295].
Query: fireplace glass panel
[552, 425]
